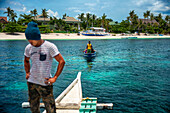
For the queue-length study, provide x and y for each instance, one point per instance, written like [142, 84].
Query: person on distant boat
[39, 79]
[92, 50]
[89, 47]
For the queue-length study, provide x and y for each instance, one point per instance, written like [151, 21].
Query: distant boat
[161, 35]
[129, 37]
[89, 56]
[96, 31]
[132, 37]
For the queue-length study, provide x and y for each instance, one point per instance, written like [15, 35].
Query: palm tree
[135, 19]
[132, 14]
[64, 15]
[25, 19]
[147, 13]
[152, 16]
[131, 17]
[103, 19]
[34, 12]
[93, 19]
[128, 18]
[140, 25]
[159, 17]
[88, 16]
[13, 16]
[9, 11]
[167, 18]
[81, 16]
[44, 14]
[107, 24]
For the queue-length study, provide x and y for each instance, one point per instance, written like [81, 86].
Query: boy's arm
[61, 64]
[27, 66]
[60, 67]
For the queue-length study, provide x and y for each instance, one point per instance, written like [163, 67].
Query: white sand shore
[72, 36]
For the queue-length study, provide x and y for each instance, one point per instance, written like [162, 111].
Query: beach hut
[40, 18]
[146, 21]
[72, 21]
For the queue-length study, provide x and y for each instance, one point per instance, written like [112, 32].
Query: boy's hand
[50, 81]
[27, 75]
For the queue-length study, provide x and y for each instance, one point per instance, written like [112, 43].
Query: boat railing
[58, 102]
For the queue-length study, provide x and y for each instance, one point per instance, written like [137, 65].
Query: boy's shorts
[36, 92]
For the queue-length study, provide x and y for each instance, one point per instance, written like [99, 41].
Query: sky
[117, 10]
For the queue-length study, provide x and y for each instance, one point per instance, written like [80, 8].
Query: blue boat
[95, 31]
[89, 56]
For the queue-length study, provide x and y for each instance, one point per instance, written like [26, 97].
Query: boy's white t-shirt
[41, 69]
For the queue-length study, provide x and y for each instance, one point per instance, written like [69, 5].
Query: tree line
[130, 25]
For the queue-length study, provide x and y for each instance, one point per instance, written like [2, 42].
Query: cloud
[75, 9]
[23, 9]
[90, 4]
[98, 1]
[141, 2]
[159, 6]
[15, 3]
[28, 12]
[76, 16]
[154, 6]
[3, 9]
[16, 6]
[51, 13]
[72, 8]
[105, 5]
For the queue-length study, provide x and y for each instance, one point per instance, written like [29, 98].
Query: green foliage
[46, 31]
[24, 19]
[65, 32]
[12, 27]
[34, 12]
[1, 25]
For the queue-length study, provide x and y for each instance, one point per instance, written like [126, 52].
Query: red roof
[4, 18]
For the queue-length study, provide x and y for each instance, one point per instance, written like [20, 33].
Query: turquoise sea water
[134, 75]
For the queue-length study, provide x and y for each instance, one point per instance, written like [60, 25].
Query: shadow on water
[90, 65]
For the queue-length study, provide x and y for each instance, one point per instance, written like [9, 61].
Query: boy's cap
[32, 32]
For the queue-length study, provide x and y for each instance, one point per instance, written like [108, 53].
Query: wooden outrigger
[71, 101]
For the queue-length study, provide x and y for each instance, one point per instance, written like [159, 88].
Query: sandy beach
[74, 36]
